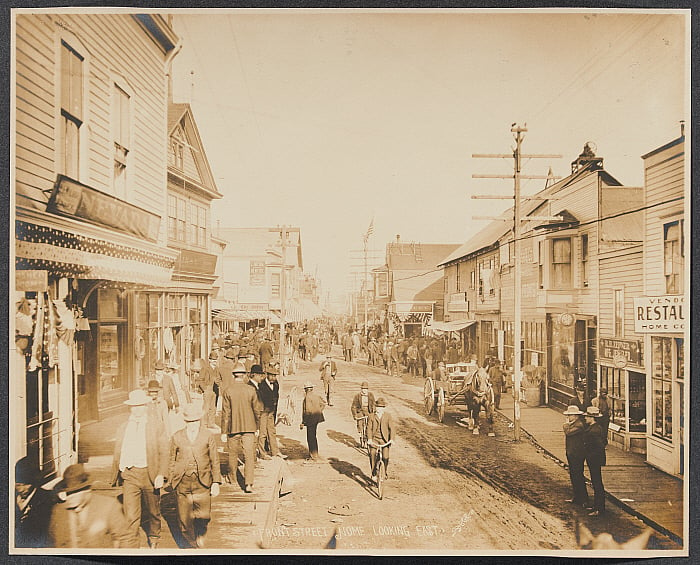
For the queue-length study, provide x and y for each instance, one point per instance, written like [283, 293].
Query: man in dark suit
[362, 405]
[380, 430]
[239, 424]
[33, 505]
[311, 417]
[140, 464]
[166, 385]
[266, 353]
[269, 394]
[574, 430]
[194, 474]
[328, 371]
[255, 377]
[594, 446]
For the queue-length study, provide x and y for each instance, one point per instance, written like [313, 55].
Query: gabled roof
[417, 256]
[182, 114]
[255, 242]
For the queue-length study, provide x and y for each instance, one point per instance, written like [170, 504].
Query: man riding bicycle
[380, 431]
[362, 406]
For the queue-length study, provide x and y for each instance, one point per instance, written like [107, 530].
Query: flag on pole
[370, 230]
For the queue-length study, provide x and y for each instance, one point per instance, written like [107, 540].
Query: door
[86, 375]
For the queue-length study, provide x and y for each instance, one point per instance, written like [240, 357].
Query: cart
[437, 394]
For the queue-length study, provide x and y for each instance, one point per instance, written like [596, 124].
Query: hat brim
[136, 402]
[61, 487]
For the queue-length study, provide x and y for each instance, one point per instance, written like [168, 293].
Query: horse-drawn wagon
[438, 393]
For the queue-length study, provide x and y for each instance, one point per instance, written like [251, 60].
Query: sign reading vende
[659, 314]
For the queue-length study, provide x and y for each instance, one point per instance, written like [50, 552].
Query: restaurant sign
[31, 280]
[619, 350]
[77, 200]
[659, 314]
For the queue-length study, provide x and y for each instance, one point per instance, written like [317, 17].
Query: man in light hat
[84, 519]
[194, 474]
[362, 406]
[208, 378]
[380, 430]
[140, 465]
[603, 404]
[574, 430]
[312, 416]
[594, 447]
[238, 426]
[33, 505]
[328, 371]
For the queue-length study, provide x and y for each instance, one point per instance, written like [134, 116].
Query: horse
[480, 395]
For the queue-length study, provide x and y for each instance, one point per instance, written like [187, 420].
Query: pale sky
[324, 120]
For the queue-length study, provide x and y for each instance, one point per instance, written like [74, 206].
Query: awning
[455, 326]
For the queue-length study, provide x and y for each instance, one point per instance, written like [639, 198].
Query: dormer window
[176, 156]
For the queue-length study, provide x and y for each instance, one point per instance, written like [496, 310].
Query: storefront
[662, 319]
[409, 319]
[622, 373]
[571, 359]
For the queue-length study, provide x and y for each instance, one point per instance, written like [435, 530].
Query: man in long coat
[574, 430]
[209, 375]
[311, 417]
[380, 430]
[328, 371]
[239, 424]
[595, 457]
[33, 505]
[266, 353]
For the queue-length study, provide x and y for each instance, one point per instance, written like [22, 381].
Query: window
[120, 116]
[584, 259]
[275, 285]
[619, 312]
[174, 309]
[673, 257]
[187, 221]
[257, 273]
[176, 155]
[540, 267]
[662, 364]
[381, 284]
[561, 263]
[459, 278]
[481, 281]
[71, 110]
[472, 280]
[614, 380]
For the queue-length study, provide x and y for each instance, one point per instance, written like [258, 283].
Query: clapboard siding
[115, 48]
[664, 176]
[621, 269]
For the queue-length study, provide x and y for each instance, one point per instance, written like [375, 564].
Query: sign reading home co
[659, 314]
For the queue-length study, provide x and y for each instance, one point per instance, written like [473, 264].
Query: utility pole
[517, 275]
[364, 286]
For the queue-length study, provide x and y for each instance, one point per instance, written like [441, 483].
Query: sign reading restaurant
[659, 314]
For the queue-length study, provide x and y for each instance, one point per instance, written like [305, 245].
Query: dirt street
[447, 489]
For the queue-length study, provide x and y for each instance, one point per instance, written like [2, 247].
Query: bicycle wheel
[380, 477]
[364, 435]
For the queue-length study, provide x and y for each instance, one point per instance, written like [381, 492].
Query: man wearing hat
[166, 385]
[266, 353]
[380, 430]
[140, 464]
[194, 474]
[269, 394]
[157, 407]
[84, 519]
[239, 424]
[33, 505]
[595, 457]
[226, 368]
[311, 417]
[601, 402]
[362, 406]
[574, 430]
[256, 375]
[208, 378]
[328, 371]
[182, 392]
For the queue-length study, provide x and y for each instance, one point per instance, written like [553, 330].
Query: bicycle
[379, 465]
[363, 432]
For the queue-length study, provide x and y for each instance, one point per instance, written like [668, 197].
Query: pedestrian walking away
[33, 505]
[380, 430]
[140, 465]
[328, 371]
[208, 376]
[312, 416]
[86, 520]
[255, 378]
[595, 457]
[194, 475]
[574, 429]
[238, 426]
[497, 381]
[363, 405]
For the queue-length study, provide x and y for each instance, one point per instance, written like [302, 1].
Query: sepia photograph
[330, 282]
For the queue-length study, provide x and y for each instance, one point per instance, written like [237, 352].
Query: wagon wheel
[428, 396]
[441, 404]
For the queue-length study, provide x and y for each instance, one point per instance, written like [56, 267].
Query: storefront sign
[620, 351]
[257, 273]
[71, 198]
[254, 306]
[31, 280]
[408, 307]
[659, 314]
[196, 262]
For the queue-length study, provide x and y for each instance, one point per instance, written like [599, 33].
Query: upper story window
[176, 155]
[472, 280]
[459, 282]
[540, 264]
[673, 257]
[381, 284]
[121, 116]
[72, 110]
[584, 259]
[619, 306]
[561, 263]
[275, 284]
[187, 221]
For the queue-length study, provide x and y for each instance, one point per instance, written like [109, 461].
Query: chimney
[398, 238]
[682, 128]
